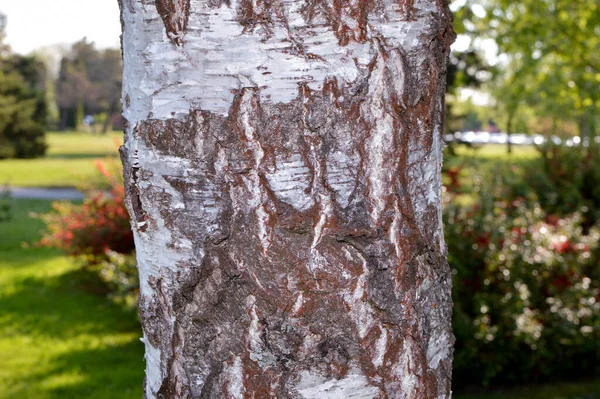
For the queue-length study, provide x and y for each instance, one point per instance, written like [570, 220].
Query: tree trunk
[108, 121]
[282, 163]
[509, 132]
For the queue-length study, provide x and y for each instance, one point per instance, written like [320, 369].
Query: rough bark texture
[282, 163]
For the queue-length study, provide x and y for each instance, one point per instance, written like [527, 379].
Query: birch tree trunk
[282, 163]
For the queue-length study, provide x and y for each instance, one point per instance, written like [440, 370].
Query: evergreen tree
[22, 104]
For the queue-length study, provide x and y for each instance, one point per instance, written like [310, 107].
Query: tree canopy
[550, 58]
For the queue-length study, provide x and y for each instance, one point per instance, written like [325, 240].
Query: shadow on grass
[111, 371]
[59, 335]
[69, 304]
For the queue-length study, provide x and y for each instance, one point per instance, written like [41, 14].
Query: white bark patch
[396, 231]
[393, 25]
[435, 196]
[316, 261]
[326, 213]
[341, 175]
[234, 379]
[154, 375]
[258, 352]
[407, 365]
[380, 347]
[290, 181]
[360, 310]
[354, 385]
[380, 149]
[380, 176]
[427, 174]
[405, 372]
[217, 56]
[438, 349]
[252, 181]
[253, 329]
[156, 247]
[298, 304]
[264, 232]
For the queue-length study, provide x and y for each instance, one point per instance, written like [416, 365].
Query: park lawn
[498, 151]
[69, 161]
[58, 339]
[582, 390]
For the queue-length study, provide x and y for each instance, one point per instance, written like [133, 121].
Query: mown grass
[581, 390]
[68, 163]
[497, 151]
[58, 337]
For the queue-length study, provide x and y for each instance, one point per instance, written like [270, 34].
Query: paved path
[45, 193]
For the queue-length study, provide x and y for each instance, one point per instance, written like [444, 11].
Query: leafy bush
[526, 291]
[119, 272]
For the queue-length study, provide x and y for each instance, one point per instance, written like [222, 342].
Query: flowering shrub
[90, 230]
[526, 292]
[98, 233]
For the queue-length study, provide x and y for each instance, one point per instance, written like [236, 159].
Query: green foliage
[119, 272]
[552, 46]
[23, 105]
[21, 132]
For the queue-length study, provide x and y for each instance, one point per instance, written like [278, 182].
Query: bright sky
[37, 23]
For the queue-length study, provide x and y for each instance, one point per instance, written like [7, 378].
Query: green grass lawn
[58, 339]
[68, 163]
[585, 390]
[498, 151]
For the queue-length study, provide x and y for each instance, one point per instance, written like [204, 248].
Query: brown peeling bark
[292, 248]
[175, 14]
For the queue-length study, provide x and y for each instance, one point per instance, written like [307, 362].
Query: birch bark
[282, 163]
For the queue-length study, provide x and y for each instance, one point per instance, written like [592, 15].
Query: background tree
[89, 82]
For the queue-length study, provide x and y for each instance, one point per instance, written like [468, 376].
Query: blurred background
[521, 207]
